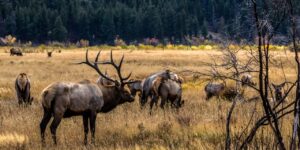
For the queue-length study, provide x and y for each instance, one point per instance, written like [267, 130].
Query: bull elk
[64, 99]
[22, 87]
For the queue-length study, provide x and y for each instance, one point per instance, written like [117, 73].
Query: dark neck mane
[111, 98]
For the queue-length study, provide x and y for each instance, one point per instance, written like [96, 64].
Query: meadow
[199, 124]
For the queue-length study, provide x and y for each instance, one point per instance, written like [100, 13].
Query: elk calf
[22, 87]
[16, 51]
[214, 89]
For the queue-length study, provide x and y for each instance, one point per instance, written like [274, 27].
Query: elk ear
[282, 84]
[274, 86]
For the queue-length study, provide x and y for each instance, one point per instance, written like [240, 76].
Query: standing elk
[278, 91]
[15, 51]
[167, 90]
[147, 86]
[214, 89]
[22, 87]
[63, 100]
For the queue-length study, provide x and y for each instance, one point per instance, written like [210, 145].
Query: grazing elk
[247, 79]
[22, 87]
[214, 89]
[278, 91]
[16, 51]
[62, 99]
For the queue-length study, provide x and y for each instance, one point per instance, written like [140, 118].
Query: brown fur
[22, 87]
[156, 84]
[16, 51]
[63, 100]
[22, 80]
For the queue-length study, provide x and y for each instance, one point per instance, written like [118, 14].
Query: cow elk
[169, 91]
[214, 89]
[148, 83]
[16, 51]
[64, 99]
[278, 89]
[22, 87]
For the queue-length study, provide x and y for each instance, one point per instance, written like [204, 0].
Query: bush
[56, 44]
[119, 42]
[194, 40]
[151, 41]
[8, 40]
[146, 47]
[83, 43]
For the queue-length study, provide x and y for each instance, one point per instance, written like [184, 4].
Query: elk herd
[87, 98]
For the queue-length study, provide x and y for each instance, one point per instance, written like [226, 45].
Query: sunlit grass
[200, 124]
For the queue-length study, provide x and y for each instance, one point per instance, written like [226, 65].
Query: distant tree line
[100, 21]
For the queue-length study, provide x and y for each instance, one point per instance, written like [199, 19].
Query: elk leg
[20, 102]
[208, 96]
[153, 100]
[54, 125]
[44, 122]
[92, 125]
[86, 127]
[163, 101]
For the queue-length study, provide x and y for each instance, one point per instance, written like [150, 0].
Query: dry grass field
[199, 124]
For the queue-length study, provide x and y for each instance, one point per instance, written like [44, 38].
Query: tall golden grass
[199, 124]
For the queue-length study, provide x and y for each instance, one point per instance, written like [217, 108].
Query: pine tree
[204, 29]
[108, 27]
[59, 32]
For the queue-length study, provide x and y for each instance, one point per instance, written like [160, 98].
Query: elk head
[278, 90]
[120, 84]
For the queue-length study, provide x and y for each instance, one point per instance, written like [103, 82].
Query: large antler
[95, 65]
[118, 68]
